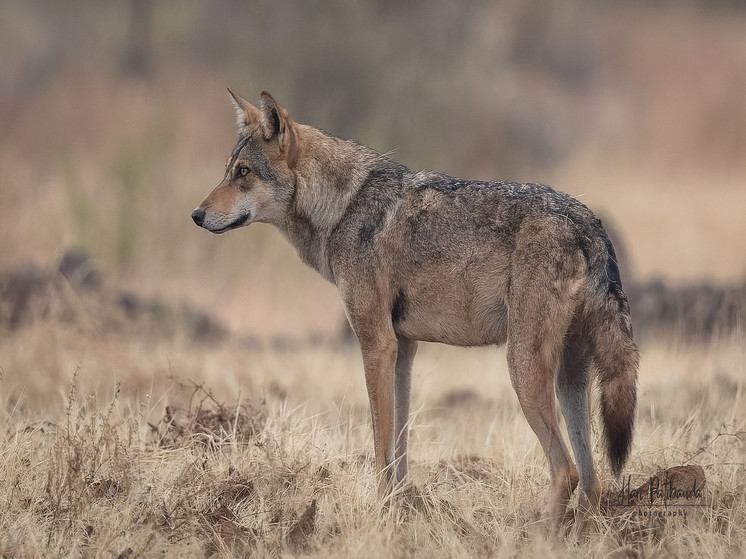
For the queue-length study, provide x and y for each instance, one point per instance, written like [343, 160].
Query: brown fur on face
[258, 184]
[428, 257]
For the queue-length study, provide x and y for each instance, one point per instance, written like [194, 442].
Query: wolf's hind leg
[573, 392]
[535, 339]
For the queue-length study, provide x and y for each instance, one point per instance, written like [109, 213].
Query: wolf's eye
[242, 171]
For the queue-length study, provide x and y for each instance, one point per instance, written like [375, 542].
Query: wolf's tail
[616, 359]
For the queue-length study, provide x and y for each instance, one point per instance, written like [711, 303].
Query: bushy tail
[616, 359]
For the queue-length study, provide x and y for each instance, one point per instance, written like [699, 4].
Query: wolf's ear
[246, 113]
[276, 122]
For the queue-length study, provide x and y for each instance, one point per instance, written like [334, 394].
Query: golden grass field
[134, 438]
[94, 465]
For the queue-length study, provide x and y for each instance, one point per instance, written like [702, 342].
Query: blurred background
[115, 123]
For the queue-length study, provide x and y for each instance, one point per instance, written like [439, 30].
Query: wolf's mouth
[233, 225]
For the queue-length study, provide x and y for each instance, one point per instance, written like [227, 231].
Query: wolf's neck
[329, 172]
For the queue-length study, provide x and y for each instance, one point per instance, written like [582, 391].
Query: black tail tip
[617, 463]
[618, 446]
[618, 430]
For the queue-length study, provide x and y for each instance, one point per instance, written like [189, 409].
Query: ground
[130, 448]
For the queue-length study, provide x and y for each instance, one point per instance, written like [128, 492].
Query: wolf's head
[259, 180]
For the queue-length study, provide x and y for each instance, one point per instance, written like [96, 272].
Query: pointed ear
[276, 122]
[246, 113]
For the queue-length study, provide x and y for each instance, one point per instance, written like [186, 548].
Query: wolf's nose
[198, 216]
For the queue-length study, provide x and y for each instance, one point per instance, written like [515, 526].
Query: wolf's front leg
[405, 357]
[379, 359]
[368, 307]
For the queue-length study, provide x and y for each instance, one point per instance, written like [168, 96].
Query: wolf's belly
[451, 319]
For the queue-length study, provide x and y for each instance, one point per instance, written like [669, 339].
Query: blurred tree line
[530, 75]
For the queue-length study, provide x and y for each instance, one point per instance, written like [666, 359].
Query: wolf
[422, 256]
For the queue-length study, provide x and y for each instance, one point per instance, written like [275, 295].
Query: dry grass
[276, 458]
